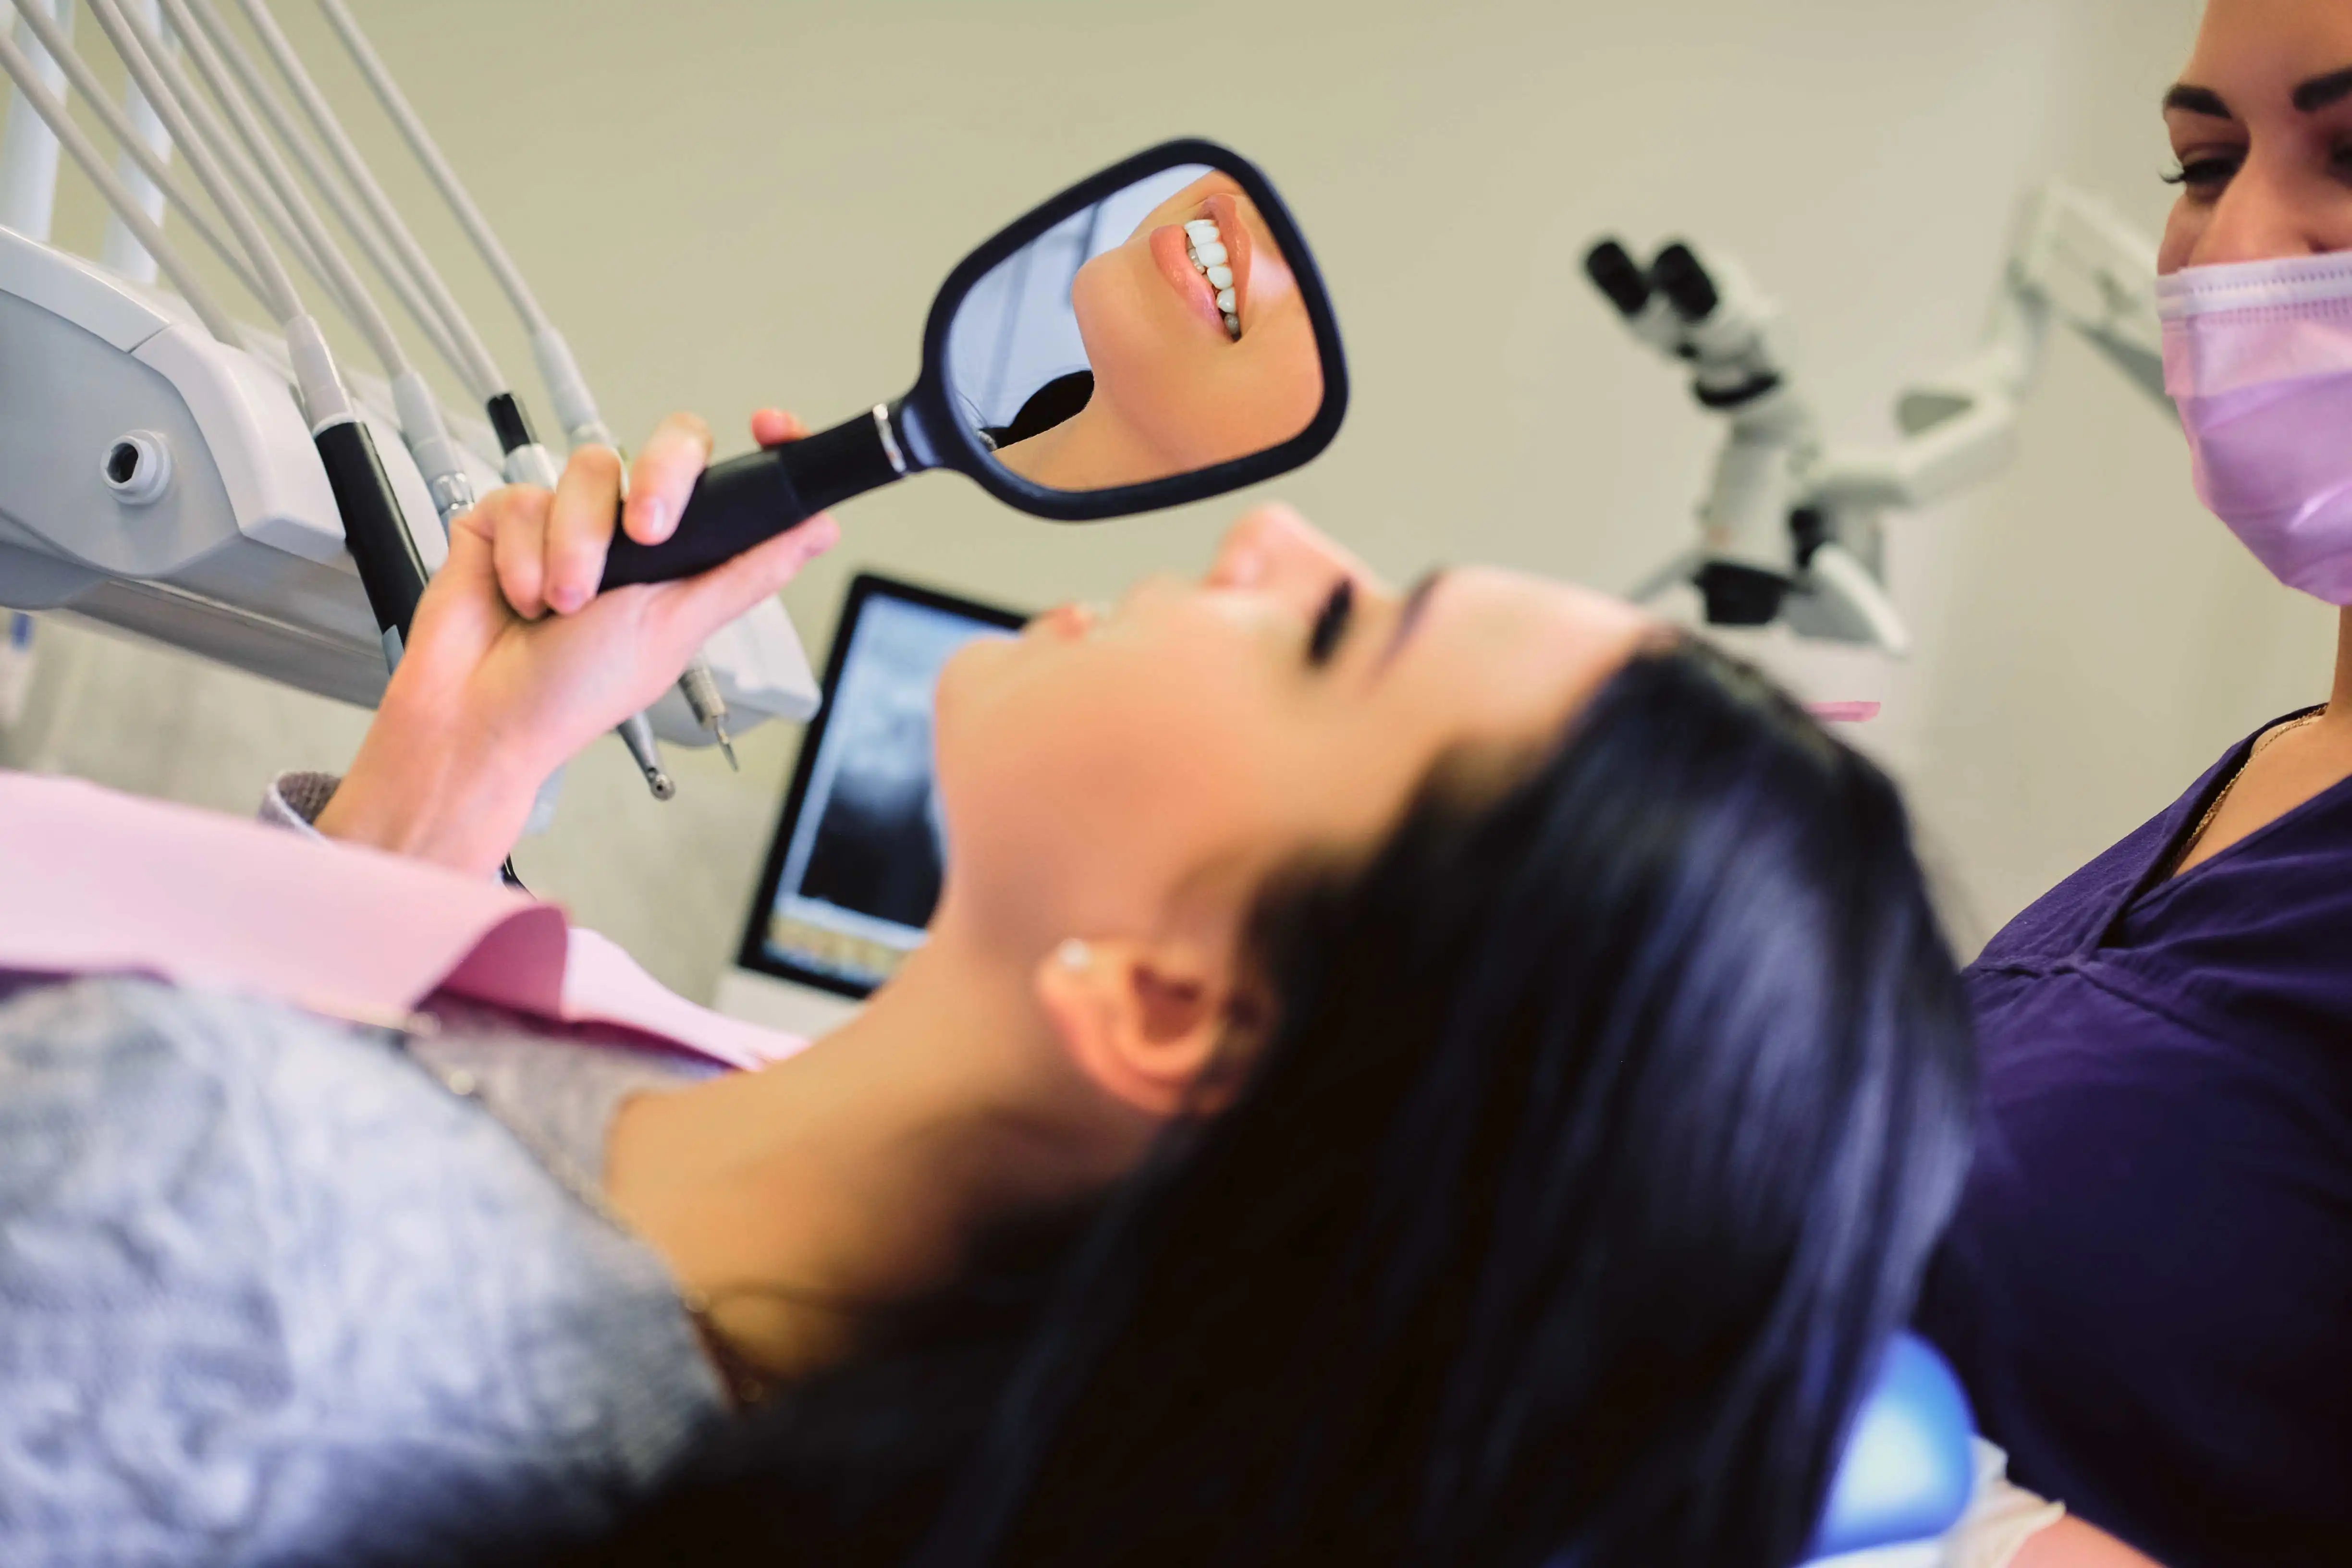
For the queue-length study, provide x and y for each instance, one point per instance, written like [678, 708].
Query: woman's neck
[2289, 767]
[859, 1171]
[2339, 701]
[1091, 450]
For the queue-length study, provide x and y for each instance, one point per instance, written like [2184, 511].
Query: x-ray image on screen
[865, 851]
[876, 847]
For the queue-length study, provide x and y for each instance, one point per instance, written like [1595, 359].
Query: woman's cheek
[2182, 230]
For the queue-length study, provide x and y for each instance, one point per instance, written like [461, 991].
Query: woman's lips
[1171, 254]
[1068, 622]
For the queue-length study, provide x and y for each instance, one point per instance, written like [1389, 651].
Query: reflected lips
[1170, 251]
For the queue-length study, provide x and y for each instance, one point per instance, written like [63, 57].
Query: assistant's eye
[1331, 624]
[2204, 175]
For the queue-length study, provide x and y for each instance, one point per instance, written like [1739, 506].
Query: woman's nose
[1274, 550]
[2261, 219]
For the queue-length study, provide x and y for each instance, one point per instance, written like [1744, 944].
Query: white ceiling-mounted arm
[2091, 269]
[1792, 530]
[2075, 263]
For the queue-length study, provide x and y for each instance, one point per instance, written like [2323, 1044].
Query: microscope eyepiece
[1678, 275]
[1617, 275]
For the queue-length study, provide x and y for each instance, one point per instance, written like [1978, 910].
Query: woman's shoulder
[2072, 915]
[263, 1280]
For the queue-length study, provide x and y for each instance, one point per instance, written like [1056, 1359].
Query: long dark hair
[1606, 1127]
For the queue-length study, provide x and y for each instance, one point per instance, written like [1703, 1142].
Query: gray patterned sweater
[273, 1290]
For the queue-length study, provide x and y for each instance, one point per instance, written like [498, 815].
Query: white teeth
[1206, 248]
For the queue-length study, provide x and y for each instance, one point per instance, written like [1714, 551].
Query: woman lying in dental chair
[1463, 1077]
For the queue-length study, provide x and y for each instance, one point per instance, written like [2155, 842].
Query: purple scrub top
[2148, 1289]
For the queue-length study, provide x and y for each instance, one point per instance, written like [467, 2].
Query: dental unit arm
[158, 477]
[1793, 529]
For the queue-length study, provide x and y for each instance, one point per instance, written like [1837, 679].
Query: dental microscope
[1793, 529]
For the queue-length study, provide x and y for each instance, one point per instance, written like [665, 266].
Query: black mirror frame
[952, 444]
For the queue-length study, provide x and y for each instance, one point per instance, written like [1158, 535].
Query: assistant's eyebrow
[2323, 91]
[1410, 617]
[2201, 101]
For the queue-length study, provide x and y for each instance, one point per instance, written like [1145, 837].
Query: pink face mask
[2259, 358]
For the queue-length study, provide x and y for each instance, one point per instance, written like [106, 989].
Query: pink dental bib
[96, 882]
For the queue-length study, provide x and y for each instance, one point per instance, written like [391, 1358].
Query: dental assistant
[2149, 1287]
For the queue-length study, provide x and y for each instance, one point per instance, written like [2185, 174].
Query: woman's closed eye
[1331, 624]
[2204, 174]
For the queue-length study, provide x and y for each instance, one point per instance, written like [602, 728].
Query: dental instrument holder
[744, 500]
[1794, 530]
[392, 572]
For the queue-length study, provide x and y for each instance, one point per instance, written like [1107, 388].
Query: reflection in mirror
[1156, 332]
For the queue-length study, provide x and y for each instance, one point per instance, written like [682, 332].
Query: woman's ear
[1147, 1023]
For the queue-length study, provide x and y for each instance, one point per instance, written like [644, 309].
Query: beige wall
[730, 201]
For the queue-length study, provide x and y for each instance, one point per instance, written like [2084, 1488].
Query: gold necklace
[2262, 742]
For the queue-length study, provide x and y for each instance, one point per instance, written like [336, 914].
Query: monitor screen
[853, 872]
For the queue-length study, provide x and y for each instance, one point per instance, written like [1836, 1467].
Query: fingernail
[567, 597]
[657, 522]
[1244, 567]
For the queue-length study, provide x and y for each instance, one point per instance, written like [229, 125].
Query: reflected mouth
[1206, 260]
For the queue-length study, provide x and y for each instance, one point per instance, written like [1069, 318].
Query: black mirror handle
[749, 499]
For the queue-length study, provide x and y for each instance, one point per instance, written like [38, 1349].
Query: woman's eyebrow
[1410, 617]
[2201, 101]
[2323, 91]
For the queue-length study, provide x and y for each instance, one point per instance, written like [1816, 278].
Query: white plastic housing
[240, 559]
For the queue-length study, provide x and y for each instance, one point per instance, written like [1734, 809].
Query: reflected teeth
[1206, 247]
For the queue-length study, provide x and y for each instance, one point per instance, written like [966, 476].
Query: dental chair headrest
[1907, 1472]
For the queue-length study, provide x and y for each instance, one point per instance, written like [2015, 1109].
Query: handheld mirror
[1154, 335]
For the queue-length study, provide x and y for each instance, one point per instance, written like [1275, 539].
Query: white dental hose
[575, 406]
[274, 176]
[227, 154]
[134, 142]
[428, 318]
[117, 249]
[421, 425]
[390, 570]
[34, 92]
[272, 284]
[28, 155]
[485, 380]
[473, 360]
[575, 409]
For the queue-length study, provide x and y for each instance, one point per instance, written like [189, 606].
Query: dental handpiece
[700, 686]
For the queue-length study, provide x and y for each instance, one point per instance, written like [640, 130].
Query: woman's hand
[516, 662]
